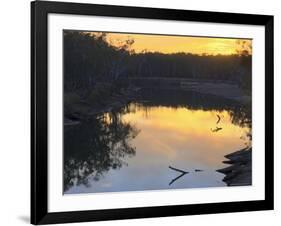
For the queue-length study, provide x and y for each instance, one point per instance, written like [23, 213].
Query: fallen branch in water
[219, 118]
[172, 181]
[181, 171]
[178, 177]
[216, 129]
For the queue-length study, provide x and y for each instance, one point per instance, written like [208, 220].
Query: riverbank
[224, 90]
[104, 100]
[82, 109]
[240, 171]
[220, 88]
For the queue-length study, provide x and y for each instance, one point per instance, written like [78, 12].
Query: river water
[146, 144]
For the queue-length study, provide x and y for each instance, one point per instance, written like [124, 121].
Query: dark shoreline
[113, 103]
[239, 173]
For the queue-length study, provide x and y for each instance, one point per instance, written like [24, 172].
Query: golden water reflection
[171, 136]
[184, 135]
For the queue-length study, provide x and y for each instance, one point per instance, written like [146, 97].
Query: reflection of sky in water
[176, 137]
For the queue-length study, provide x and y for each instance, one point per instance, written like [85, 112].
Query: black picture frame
[39, 112]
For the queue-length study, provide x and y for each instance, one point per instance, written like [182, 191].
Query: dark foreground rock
[239, 173]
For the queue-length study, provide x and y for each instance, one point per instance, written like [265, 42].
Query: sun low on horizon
[180, 44]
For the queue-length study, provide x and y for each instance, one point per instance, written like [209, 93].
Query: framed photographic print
[145, 112]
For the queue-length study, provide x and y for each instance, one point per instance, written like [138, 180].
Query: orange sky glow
[176, 44]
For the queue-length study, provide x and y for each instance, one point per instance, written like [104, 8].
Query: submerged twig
[178, 177]
[179, 170]
[216, 129]
[219, 118]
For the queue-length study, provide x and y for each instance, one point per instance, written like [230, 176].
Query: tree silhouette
[93, 148]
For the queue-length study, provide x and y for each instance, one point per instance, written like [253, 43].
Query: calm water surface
[132, 149]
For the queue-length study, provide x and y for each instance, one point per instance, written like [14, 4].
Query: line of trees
[189, 66]
[89, 59]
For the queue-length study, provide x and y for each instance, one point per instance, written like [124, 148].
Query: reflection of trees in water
[94, 147]
[188, 99]
[241, 114]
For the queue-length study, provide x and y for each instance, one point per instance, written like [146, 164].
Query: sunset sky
[174, 44]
